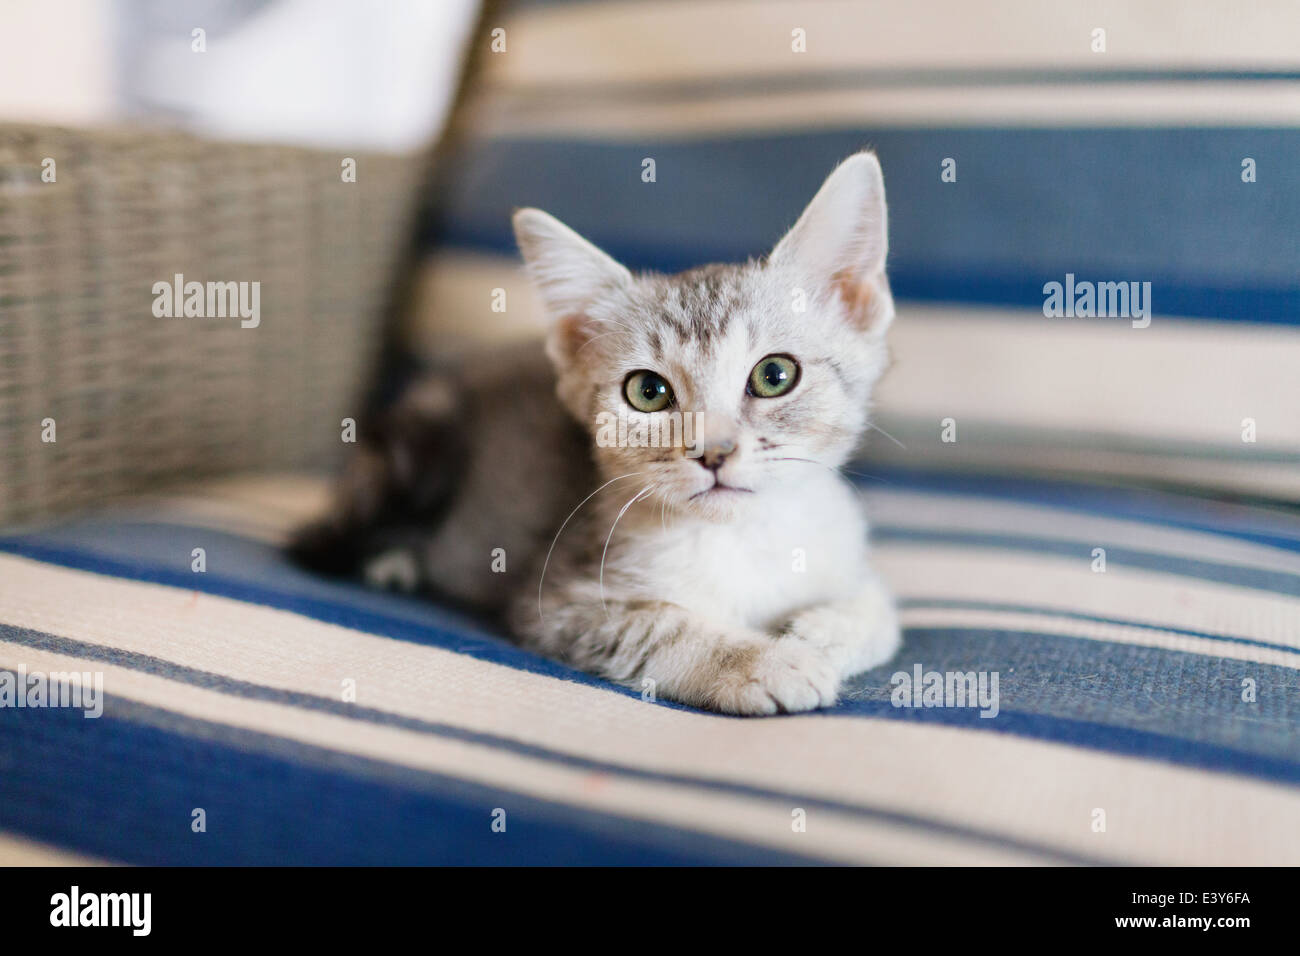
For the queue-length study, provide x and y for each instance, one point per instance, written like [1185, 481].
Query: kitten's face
[710, 388]
[764, 393]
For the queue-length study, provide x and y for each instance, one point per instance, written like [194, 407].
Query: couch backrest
[1023, 144]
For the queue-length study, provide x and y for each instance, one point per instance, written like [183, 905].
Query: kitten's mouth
[718, 488]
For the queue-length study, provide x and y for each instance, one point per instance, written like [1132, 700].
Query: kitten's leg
[697, 662]
[397, 482]
[855, 634]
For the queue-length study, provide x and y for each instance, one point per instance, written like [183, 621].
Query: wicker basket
[139, 400]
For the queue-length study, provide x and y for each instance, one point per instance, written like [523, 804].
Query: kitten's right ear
[569, 274]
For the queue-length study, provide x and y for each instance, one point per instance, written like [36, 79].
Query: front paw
[777, 676]
[855, 638]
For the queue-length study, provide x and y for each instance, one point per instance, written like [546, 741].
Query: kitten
[725, 568]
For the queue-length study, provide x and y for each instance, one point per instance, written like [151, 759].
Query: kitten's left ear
[842, 239]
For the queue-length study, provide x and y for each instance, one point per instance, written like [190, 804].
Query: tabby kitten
[725, 563]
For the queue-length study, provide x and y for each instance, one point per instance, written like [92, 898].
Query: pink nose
[715, 453]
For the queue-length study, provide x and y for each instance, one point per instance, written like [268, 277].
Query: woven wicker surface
[138, 400]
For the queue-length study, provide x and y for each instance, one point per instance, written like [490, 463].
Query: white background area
[309, 72]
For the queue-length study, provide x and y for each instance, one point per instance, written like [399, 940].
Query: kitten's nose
[715, 453]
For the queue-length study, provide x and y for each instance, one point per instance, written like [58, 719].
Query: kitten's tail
[400, 480]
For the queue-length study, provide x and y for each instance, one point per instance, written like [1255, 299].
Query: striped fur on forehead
[699, 327]
[699, 305]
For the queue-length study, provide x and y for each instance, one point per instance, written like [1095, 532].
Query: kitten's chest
[762, 569]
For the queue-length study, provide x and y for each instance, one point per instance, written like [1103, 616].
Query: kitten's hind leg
[694, 661]
[856, 634]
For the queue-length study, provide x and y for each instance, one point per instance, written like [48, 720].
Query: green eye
[647, 392]
[773, 376]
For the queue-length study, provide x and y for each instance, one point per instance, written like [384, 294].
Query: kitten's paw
[394, 570]
[773, 677]
[855, 645]
[856, 635]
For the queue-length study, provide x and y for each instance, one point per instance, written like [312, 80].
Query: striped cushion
[1117, 166]
[1123, 691]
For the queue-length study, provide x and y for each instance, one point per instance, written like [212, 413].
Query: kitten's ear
[568, 272]
[842, 239]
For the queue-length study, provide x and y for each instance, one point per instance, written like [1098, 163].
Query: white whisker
[609, 538]
[838, 472]
[887, 435]
[547, 562]
[595, 337]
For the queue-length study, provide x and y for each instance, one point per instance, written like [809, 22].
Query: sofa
[1090, 516]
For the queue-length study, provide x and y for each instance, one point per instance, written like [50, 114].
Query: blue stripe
[1060, 677]
[254, 572]
[1127, 699]
[1160, 205]
[250, 571]
[967, 605]
[124, 787]
[1106, 737]
[1274, 526]
[792, 795]
[1162, 692]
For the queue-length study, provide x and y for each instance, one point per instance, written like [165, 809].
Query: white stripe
[1085, 455]
[940, 512]
[1099, 381]
[610, 42]
[952, 573]
[831, 834]
[994, 782]
[1043, 105]
[1112, 372]
[1106, 385]
[1098, 375]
